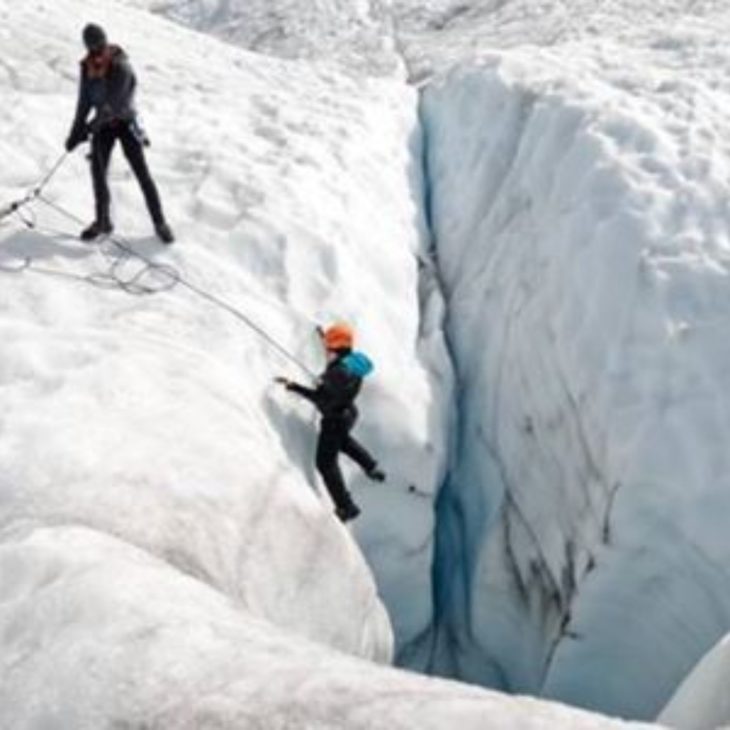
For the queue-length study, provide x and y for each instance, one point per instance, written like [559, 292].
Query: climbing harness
[122, 253]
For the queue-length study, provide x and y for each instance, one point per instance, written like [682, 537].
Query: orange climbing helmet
[338, 336]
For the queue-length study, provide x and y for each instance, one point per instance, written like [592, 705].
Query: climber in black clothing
[334, 397]
[107, 86]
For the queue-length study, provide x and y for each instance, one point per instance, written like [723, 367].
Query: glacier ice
[701, 702]
[579, 209]
[576, 193]
[99, 634]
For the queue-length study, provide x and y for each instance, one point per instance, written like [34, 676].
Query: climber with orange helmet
[334, 397]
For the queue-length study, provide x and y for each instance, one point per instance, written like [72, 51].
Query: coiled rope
[167, 276]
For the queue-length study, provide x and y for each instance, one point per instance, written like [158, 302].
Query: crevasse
[567, 548]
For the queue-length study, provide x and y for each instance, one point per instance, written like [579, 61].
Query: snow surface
[98, 634]
[357, 35]
[156, 491]
[211, 463]
[436, 34]
[702, 701]
[296, 198]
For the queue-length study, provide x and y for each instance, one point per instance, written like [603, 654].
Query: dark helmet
[94, 37]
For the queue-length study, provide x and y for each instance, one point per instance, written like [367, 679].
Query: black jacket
[336, 390]
[110, 95]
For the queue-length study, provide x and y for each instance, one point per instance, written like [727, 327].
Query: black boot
[376, 474]
[347, 512]
[164, 232]
[96, 229]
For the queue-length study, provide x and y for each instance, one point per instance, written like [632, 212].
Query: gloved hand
[77, 136]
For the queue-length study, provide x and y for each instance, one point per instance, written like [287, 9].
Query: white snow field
[166, 559]
[357, 35]
[297, 196]
[438, 33]
[702, 701]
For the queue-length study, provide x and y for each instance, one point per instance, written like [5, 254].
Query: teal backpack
[358, 364]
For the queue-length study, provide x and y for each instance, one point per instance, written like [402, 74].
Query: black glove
[77, 136]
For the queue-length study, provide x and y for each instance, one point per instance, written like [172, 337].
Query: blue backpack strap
[358, 364]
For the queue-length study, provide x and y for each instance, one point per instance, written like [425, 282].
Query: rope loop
[151, 278]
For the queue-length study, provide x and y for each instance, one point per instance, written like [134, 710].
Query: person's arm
[331, 390]
[316, 395]
[79, 130]
[311, 394]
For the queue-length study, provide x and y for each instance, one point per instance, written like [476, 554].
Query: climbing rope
[17, 205]
[168, 276]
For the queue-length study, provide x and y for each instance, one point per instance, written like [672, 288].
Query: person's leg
[359, 454]
[102, 144]
[331, 437]
[134, 152]
[362, 457]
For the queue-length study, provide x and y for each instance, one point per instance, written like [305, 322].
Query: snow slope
[701, 702]
[295, 197]
[98, 634]
[154, 419]
[579, 201]
[356, 35]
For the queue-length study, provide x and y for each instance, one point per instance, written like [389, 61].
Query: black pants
[102, 145]
[334, 437]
